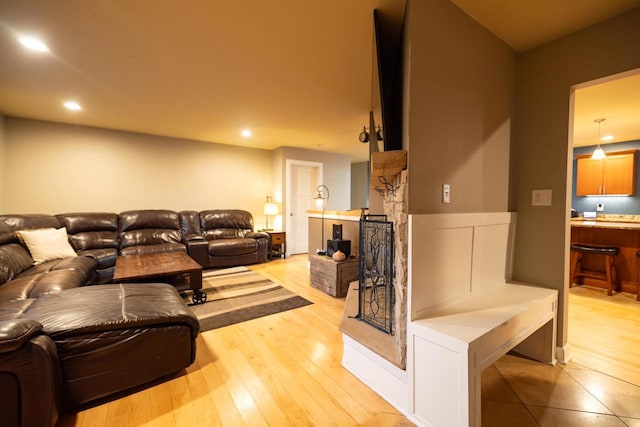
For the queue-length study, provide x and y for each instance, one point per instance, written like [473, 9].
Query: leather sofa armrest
[14, 333]
[199, 251]
[257, 235]
[30, 376]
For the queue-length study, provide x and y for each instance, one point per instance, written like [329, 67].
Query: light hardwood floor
[604, 332]
[279, 370]
[285, 369]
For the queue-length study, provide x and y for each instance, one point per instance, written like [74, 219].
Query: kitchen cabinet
[613, 175]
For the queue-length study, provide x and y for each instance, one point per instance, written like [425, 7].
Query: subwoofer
[336, 245]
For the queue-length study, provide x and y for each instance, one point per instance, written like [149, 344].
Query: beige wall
[2, 163]
[55, 168]
[541, 141]
[460, 107]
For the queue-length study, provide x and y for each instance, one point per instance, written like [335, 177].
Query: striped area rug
[238, 294]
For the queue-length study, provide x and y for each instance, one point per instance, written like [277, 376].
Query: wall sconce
[270, 208]
[321, 200]
[379, 133]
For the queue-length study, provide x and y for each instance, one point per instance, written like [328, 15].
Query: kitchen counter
[613, 225]
[610, 232]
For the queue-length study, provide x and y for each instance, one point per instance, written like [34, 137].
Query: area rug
[238, 294]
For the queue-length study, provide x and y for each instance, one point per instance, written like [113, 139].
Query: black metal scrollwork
[375, 292]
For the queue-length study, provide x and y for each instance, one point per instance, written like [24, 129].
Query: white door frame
[289, 164]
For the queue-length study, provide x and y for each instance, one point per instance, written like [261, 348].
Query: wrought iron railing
[375, 290]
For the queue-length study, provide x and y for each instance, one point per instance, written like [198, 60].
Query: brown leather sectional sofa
[64, 344]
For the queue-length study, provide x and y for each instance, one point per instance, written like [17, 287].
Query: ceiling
[297, 73]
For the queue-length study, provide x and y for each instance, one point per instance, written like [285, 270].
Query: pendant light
[598, 153]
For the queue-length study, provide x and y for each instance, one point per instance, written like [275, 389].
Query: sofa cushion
[91, 230]
[89, 221]
[14, 259]
[153, 249]
[149, 227]
[30, 221]
[36, 285]
[53, 276]
[46, 244]
[232, 247]
[149, 218]
[225, 224]
[94, 240]
[111, 307]
[81, 264]
[13, 308]
[7, 234]
[149, 237]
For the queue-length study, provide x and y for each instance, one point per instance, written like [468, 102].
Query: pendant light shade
[598, 153]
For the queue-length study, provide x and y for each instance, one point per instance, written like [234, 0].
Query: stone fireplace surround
[392, 348]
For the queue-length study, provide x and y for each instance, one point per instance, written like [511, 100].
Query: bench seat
[454, 343]
[466, 312]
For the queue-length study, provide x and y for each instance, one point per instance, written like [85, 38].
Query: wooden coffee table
[146, 266]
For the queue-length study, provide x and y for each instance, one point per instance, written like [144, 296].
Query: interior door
[303, 178]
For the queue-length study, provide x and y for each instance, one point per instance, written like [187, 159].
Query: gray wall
[359, 185]
[461, 98]
[542, 155]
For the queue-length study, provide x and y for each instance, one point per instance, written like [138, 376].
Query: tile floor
[520, 392]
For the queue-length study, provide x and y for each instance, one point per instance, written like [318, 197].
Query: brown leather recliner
[94, 234]
[223, 238]
[150, 231]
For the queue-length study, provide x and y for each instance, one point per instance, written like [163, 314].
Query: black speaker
[337, 231]
[336, 245]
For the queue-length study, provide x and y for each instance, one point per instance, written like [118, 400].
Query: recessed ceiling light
[246, 133]
[607, 138]
[33, 43]
[72, 105]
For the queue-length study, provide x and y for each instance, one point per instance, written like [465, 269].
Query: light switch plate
[541, 197]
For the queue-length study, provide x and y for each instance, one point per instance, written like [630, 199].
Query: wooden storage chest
[333, 277]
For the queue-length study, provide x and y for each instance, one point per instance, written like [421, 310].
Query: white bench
[465, 315]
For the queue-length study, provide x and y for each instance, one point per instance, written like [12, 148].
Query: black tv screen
[388, 37]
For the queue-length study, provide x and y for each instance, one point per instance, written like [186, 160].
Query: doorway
[301, 180]
[601, 329]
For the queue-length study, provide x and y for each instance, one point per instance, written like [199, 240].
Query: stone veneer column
[396, 208]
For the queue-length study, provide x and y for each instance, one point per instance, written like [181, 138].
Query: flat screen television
[388, 41]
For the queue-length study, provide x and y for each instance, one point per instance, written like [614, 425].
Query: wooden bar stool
[608, 252]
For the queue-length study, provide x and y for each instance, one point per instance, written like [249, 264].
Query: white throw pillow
[46, 244]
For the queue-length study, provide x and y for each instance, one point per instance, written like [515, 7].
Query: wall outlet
[446, 193]
[541, 198]
[600, 207]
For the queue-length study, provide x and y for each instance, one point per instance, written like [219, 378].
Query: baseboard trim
[563, 353]
[383, 377]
